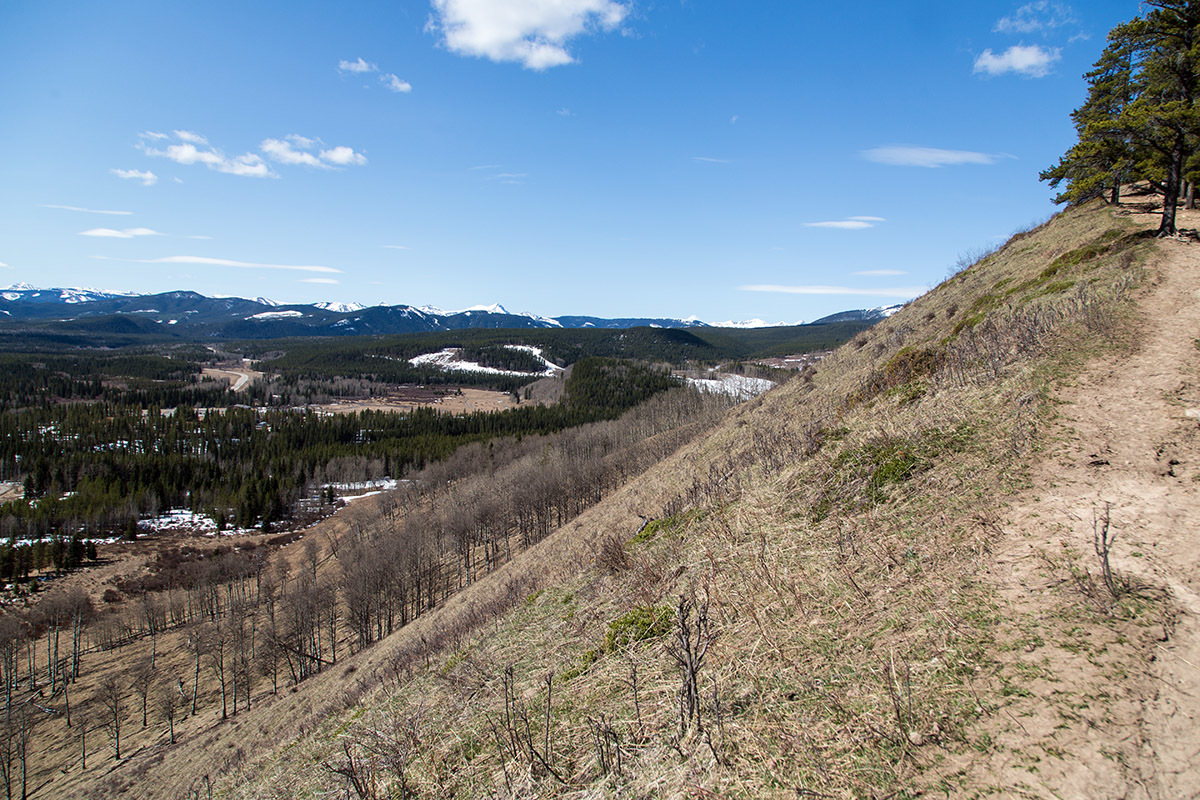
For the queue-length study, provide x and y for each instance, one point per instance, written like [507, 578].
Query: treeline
[95, 469]
[137, 377]
[1141, 119]
[386, 358]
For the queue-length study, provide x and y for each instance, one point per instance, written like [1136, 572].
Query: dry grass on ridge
[838, 530]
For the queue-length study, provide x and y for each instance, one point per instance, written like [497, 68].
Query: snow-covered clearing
[449, 360]
[738, 387]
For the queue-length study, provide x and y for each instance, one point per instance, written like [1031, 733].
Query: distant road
[239, 379]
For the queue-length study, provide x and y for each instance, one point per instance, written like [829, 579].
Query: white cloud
[343, 156]
[905, 156]
[357, 66]
[4, 266]
[247, 165]
[707, 160]
[147, 178]
[319, 280]
[154, 135]
[868, 219]
[893, 291]
[302, 141]
[532, 32]
[733, 120]
[396, 247]
[845, 224]
[88, 210]
[128, 233]
[880, 273]
[394, 83]
[1032, 61]
[187, 153]
[564, 112]
[283, 152]
[1039, 16]
[219, 262]
[292, 149]
[189, 136]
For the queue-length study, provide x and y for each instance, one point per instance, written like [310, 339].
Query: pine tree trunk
[1190, 205]
[1171, 189]
[1116, 193]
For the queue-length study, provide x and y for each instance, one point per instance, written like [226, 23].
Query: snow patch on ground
[183, 521]
[738, 387]
[448, 360]
[384, 484]
[277, 314]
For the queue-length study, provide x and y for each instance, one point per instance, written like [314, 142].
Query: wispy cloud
[708, 160]
[890, 291]
[192, 148]
[147, 178]
[848, 224]
[396, 247]
[564, 112]
[219, 262]
[291, 150]
[4, 266]
[905, 156]
[393, 83]
[191, 137]
[319, 280]
[879, 273]
[357, 66]
[1030, 61]
[282, 151]
[533, 33]
[844, 225]
[128, 233]
[1037, 17]
[87, 210]
[500, 177]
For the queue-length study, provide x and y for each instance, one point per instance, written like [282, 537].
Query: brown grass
[836, 529]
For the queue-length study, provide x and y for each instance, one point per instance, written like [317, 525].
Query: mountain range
[190, 314]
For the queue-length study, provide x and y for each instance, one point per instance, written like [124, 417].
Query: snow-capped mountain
[340, 308]
[193, 315]
[752, 323]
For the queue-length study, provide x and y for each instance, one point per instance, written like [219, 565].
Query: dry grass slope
[810, 614]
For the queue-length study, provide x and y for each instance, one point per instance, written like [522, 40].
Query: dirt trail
[1130, 438]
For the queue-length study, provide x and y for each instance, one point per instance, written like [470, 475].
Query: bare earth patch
[1112, 703]
[465, 401]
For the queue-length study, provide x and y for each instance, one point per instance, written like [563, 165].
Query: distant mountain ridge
[188, 313]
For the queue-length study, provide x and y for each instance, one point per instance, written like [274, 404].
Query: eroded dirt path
[1112, 711]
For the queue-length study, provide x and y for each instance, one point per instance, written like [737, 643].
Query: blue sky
[721, 159]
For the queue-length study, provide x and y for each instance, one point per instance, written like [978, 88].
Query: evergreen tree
[1141, 119]
[1103, 158]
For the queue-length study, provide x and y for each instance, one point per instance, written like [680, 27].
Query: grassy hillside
[827, 543]
[796, 604]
